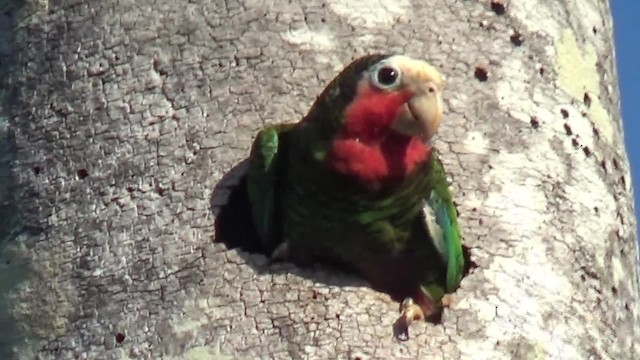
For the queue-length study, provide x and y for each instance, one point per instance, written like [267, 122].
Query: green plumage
[382, 234]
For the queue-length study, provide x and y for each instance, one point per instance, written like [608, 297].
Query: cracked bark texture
[121, 117]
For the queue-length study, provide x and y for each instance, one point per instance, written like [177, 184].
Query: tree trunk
[124, 115]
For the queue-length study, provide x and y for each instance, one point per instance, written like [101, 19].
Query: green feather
[264, 179]
[442, 224]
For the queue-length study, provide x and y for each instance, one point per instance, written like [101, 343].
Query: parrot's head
[385, 109]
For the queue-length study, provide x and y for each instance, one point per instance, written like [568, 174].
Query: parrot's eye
[386, 77]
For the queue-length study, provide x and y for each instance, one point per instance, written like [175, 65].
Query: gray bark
[124, 115]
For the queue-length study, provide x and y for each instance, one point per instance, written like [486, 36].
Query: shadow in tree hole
[234, 227]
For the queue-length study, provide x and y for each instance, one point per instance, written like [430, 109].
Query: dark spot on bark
[516, 38]
[596, 133]
[590, 273]
[37, 170]
[620, 217]
[338, 316]
[314, 294]
[322, 20]
[159, 190]
[594, 30]
[130, 189]
[534, 122]
[567, 129]
[586, 99]
[82, 174]
[575, 143]
[480, 221]
[603, 165]
[614, 290]
[8, 13]
[541, 70]
[623, 181]
[626, 306]
[586, 151]
[474, 209]
[596, 210]
[498, 7]
[119, 338]
[615, 164]
[481, 73]
[565, 113]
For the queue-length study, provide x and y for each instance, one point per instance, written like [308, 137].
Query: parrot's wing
[441, 220]
[264, 180]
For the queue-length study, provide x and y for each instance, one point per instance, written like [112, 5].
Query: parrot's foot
[447, 300]
[280, 253]
[409, 312]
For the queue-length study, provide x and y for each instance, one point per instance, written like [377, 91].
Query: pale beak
[422, 114]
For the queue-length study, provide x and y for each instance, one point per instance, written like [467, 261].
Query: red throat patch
[367, 149]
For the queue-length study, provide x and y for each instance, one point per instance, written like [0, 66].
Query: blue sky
[627, 33]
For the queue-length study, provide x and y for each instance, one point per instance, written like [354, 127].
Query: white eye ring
[386, 76]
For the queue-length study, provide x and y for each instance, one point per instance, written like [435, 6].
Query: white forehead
[414, 68]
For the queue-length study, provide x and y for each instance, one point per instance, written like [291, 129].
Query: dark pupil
[387, 76]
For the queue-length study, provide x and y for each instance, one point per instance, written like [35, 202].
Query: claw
[447, 300]
[409, 312]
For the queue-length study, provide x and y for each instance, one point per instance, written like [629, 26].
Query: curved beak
[422, 114]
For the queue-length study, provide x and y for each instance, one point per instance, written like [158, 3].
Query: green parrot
[357, 182]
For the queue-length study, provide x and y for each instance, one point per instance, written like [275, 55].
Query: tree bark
[124, 115]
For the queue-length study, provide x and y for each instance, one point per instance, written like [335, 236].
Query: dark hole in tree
[596, 132]
[567, 129]
[37, 170]
[82, 174]
[534, 122]
[233, 224]
[516, 38]
[481, 73]
[498, 7]
[468, 263]
[119, 338]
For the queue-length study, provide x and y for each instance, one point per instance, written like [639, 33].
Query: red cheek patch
[367, 149]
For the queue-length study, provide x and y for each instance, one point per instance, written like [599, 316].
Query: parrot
[358, 182]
